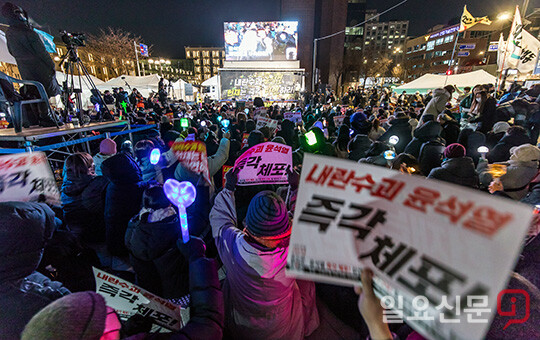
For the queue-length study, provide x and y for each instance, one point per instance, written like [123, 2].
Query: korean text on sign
[422, 237]
[264, 163]
[192, 155]
[128, 299]
[27, 177]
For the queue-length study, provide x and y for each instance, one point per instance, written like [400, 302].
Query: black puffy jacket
[430, 131]
[501, 151]
[460, 171]
[401, 128]
[123, 198]
[159, 266]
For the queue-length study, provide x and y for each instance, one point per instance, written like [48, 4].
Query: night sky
[169, 25]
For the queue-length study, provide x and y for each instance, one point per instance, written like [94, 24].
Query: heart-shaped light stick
[181, 194]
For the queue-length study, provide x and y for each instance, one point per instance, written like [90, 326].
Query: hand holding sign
[181, 194]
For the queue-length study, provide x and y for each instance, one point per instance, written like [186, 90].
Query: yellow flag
[468, 21]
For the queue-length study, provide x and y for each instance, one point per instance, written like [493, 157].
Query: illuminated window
[449, 38]
[90, 57]
[93, 70]
[187, 54]
[430, 45]
[104, 70]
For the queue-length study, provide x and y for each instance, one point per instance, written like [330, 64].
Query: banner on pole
[144, 50]
[128, 299]
[265, 163]
[27, 177]
[431, 244]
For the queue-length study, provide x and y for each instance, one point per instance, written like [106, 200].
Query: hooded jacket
[261, 302]
[401, 128]
[358, 147]
[430, 131]
[24, 230]
[122, 200]
[458, 170]
[501, 151]
[159, 266]
[437, 104]
[99, 158]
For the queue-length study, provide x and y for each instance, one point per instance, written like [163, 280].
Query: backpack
[431, 156]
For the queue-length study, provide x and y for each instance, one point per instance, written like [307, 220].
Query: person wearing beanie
[456, 167]
[255, 257]
[521, 168]
[107, 148]
[24, 230]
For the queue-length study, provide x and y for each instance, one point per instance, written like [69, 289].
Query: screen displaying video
[272, 85]
[268, 41]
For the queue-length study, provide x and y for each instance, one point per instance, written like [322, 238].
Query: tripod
[73, 65]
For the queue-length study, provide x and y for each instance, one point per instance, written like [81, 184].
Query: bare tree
[113, 48]
[374, 65]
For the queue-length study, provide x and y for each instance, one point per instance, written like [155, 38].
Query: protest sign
[264, 121]
[192, 155]
[265, 163]
[431, 244]
[245, 136]
[26, 177]
[224, 171]
[295, 117]
[338, 120]
[128, 299]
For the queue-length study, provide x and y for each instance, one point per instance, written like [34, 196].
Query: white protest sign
[338, 120]
[27, 176]
[440, 250]
[265, 163]
[128, 299]
[264, 121]
[295, 117]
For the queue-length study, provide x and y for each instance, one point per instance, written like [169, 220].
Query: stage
[61, 142]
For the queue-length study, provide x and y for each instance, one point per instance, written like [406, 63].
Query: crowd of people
[116, 216]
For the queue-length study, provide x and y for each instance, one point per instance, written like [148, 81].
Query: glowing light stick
[154, 156]
[389, 155]
[225, 123]
[482, 150]
[184, 122]
[181, 194]
[311, 138]
[393, 140]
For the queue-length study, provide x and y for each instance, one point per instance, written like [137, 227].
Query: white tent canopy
[212, 85]
[432, 81]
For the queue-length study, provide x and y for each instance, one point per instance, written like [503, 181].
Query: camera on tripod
[73, 39]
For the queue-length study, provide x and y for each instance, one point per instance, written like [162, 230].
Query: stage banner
[264, 121]
[270, 85]
[338, 120]
[265, 163]
[193, 156]
[295, 117]
[128, 299]
[441, 253]
[27, 177]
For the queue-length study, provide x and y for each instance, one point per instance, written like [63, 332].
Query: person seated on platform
[107, 149]
[83, 198]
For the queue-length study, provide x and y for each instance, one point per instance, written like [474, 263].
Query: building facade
[432, 53]
[386, 39]
[206, 61]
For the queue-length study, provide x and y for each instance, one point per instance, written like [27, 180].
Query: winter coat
[450, 132]
[150, 171]
[375, 160]
[437, 104]
[98, 161]
[159, 266]
[24, 230]
[501, 151]
[33, 60]
[430, 131]
[459, 171]
[375, 134]
[83, 203]
[206, 302]
[261, 302]
[398, 127]
[515, 181]
[488, 117]
[358, 147]
[123, 198]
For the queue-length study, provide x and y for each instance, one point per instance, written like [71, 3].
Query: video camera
[73, 39]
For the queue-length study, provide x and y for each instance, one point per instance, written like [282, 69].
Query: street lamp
[168, 62]
[504, 16]
[150, 61]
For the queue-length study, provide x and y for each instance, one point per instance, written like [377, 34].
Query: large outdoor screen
[274, 85]
[275, 40]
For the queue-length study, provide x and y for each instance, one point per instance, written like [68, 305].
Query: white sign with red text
[128, 299]
[27, 177]
[264, 121]
[265, 163]
[422, 238]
